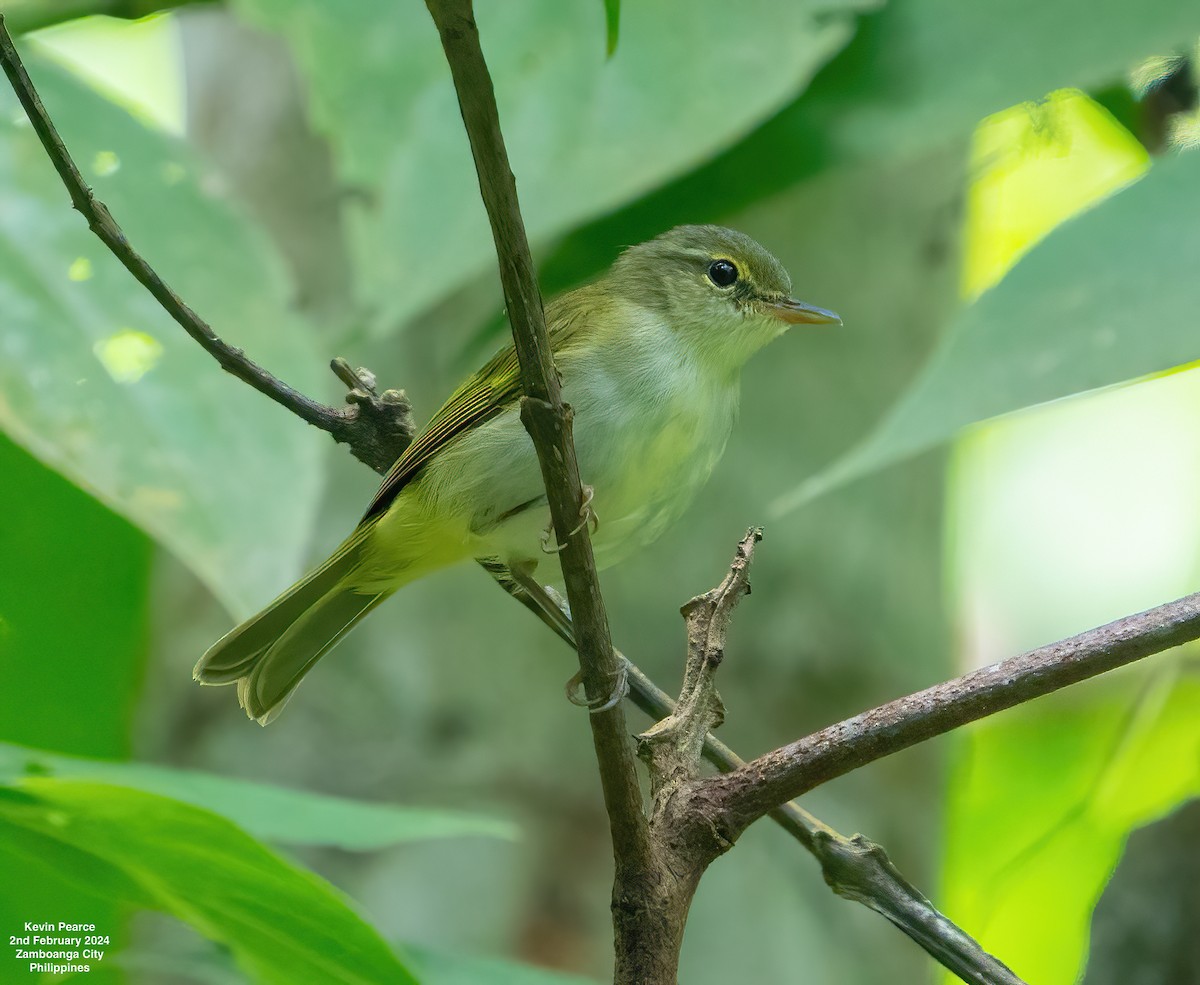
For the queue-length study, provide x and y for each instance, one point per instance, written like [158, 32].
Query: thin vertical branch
[548, 421]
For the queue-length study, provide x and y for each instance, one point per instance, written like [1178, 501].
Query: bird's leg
[587, 516]
[543, 602]
[587, 512]
[619, 692]
[551, 609]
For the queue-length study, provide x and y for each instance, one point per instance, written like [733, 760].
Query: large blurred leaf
[924, 71]
[1067, 517]
[918, 76]
[95, 379]
[282, 924]
[1108, 297]
[73, 586]
[1033, 167]
[73, 641]
[268, 812]
[1044, 798]
[584, 134]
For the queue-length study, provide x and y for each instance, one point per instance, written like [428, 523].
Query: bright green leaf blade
[1108, 297]
[70, 674]
[584, 134]
[268, 812]
[96, 381]
[282, 924]
[70, 682]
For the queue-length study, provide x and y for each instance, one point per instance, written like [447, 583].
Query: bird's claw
[619, 692]
[587, 517]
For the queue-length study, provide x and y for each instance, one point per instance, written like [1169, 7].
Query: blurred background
[997, 451]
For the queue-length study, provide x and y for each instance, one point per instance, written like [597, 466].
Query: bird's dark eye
[722, 273]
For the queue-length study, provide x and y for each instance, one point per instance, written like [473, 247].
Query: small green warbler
[650, 357]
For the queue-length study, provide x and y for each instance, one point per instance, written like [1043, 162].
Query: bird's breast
[649, 426]
[647, 435]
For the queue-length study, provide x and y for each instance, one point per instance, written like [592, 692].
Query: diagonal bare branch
[763, 784]
[371, 425]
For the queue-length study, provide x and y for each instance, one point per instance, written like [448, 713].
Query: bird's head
[725, 294]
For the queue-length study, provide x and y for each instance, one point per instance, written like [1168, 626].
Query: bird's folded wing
[489, 392]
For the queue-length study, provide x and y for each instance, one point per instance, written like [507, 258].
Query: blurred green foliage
[584, 133]
[73, 641]
[1030, 849]
[839, 134]
[290, 817]
[282, 924]
[148, 428]
[1082, 312]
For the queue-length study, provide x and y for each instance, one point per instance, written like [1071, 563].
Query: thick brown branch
[847, 864]
[372, 426]
[549, 424]
[763, 784]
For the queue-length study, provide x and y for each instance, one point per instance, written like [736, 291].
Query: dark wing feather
[489, 392]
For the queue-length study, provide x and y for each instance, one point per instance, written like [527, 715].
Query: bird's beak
[798, 313]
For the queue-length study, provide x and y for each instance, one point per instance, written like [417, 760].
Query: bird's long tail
[268, 654]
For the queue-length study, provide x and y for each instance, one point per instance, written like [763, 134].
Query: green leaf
[924, 71]
[918, 77]
[612, 24]
[268, 812]
[96, 380]
[282, 924]
[70, 674]
[1042, 800]
[585, 135]
[1108, 297]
